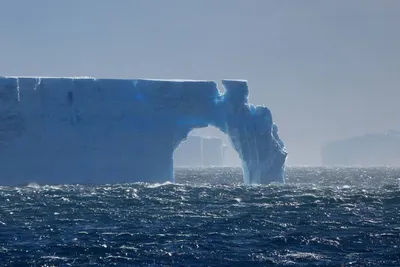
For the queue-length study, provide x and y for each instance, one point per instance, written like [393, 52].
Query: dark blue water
[321, 217]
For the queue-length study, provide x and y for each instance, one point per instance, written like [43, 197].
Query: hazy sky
[326, 69]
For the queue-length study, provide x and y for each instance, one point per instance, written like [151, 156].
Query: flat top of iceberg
[132, 79]
[94, 78]
[46, 77]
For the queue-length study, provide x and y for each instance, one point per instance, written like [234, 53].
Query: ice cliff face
[86, 130]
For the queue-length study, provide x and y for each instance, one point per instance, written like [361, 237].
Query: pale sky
[326, 69]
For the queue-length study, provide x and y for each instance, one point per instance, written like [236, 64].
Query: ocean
[320, 217]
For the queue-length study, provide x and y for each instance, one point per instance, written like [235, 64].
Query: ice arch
[87, 130]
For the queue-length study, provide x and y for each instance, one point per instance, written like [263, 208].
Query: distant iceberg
[374, 149]
[87, 130]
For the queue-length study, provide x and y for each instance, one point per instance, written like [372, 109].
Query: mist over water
[321, 217]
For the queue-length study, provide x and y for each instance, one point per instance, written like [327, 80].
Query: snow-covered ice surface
[86, 130]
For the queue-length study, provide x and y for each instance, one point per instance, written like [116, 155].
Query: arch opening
[207, 148]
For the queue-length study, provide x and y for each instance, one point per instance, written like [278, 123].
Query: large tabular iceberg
[87, 130]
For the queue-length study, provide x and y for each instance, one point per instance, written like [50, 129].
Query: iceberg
[87, 130]
[372, 149]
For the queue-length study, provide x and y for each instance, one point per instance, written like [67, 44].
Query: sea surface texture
[321, 217]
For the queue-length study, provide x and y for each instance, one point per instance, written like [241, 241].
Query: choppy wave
[328, 217]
